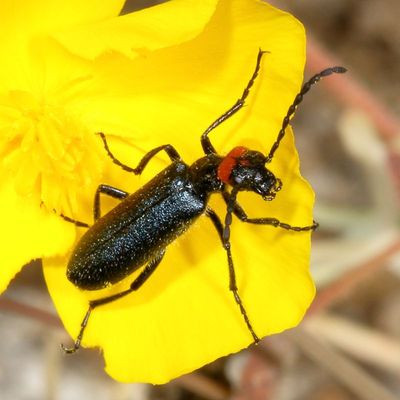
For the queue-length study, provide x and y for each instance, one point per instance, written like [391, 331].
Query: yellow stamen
[49, 151]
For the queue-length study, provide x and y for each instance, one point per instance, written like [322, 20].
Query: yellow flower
[158, 76]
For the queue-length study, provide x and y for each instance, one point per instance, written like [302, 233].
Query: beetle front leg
[241, 214]
[232, 276]
[208, 148]
[135, 285]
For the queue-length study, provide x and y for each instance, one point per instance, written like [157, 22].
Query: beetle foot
[70, 350]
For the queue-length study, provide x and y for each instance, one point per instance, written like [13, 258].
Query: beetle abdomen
[136, 230]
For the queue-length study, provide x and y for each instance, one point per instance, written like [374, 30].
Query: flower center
[49, 152]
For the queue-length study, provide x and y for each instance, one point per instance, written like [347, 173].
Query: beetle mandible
[137, 231]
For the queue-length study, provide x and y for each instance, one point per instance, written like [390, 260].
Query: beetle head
[245, 169]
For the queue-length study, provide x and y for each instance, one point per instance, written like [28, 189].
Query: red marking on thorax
[229, 162]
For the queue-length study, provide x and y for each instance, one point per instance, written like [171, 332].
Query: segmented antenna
[298, 99]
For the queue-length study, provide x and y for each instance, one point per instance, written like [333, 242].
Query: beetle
[136, 232]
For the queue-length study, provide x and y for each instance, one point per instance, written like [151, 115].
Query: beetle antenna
[298, 99]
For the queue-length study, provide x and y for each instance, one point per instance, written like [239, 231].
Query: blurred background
[348, 346]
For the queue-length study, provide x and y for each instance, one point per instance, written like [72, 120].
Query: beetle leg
[77, 343]
[170, 150]
[110, 191]
[232, 276]
[241, 214]
[80, 224]
[135, 285]
[105, 189]
[205, 141]
[276, 223]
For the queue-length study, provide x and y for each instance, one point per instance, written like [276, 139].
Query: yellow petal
[140, 32]
[187, 87]
[28, 232]
[22, 18]
[23, 21]
[185, 315]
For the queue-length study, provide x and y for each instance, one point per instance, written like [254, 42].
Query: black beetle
[137, 231]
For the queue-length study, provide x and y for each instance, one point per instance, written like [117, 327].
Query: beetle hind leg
[77, 343]
[135, 285]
